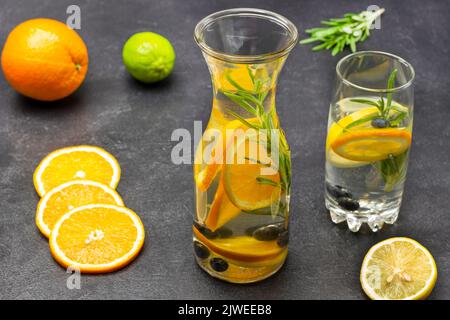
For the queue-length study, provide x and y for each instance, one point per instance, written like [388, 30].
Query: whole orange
[44, 59]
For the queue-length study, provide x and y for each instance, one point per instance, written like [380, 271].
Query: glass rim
[380, 53]
[247, 12]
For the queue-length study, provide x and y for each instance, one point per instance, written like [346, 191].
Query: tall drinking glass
[369, 138]
[242, 164]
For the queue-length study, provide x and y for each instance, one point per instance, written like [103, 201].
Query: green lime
[148, 56]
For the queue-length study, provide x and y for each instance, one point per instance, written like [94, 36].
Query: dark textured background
[135, 122]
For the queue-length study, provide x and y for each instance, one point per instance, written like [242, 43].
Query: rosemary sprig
[384, 106]
[361, 121]
[392, 169]
[343, 32]
[252, 101]
[390, 85]
[269, 182]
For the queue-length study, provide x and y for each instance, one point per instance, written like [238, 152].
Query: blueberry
[380, 123]
[267, 233]
[218, 264]
[338, 191]
[205, 231]
[224, 233]
[283, 239]
[201, 250]
[348, 203]
[249, 231]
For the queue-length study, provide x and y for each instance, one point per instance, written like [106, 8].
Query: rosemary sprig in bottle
[252, 101]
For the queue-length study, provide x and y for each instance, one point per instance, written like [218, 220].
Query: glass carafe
[242, 167]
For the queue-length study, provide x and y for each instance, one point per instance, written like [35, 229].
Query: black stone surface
[135, 123]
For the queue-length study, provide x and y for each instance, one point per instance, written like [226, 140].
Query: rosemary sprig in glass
[389, 115]
[252, 101]
[343, 32]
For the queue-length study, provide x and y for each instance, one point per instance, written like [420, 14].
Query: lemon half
[398, 269]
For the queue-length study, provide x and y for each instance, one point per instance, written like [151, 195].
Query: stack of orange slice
[88, 227]
[238, 187]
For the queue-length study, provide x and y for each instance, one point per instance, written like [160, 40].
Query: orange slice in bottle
[205, 174]
[60, 200]
[370, 145]
[207, 166]
[78, 162]
[97, 238]
[243, 175]
[242, 248]
[222, 210]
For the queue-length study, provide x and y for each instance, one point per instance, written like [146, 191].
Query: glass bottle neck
[244, 89]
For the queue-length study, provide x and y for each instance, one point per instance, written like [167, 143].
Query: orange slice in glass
[337, 129]
[370, 145]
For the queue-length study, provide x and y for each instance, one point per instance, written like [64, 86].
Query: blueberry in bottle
[218, 264]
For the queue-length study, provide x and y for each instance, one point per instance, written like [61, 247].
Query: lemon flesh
[398, 269]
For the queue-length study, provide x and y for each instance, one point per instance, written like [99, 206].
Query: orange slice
[242, 248]
[206, 167]
[242, 174]
[204, 174]
[97, 238]
[222, 210]
[337, 129]
[79, 162]
[60, 200]
[371, 145]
